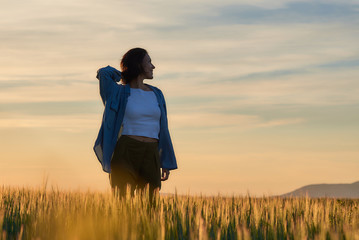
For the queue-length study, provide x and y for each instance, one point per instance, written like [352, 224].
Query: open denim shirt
[114, 97]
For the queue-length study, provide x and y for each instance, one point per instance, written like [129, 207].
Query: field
[54, 214]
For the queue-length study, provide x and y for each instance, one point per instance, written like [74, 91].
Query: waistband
[129, 139]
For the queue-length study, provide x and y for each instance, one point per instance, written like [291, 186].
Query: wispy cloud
[52, 108]
[49, 92]
[292, 12]
[71, 123]
[226, 122]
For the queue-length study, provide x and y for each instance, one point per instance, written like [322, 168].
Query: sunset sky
[262, 96]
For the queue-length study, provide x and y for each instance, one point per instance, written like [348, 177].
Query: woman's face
[147, 67]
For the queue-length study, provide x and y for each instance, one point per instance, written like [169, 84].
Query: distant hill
[327, 190]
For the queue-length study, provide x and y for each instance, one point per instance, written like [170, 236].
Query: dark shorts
[135, 163]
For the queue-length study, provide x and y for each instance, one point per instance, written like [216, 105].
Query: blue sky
[263, 96]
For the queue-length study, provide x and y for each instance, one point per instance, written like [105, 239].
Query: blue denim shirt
[114, 97]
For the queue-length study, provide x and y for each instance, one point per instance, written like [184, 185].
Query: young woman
[134, 143]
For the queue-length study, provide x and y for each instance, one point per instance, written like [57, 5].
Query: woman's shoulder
[155, 89]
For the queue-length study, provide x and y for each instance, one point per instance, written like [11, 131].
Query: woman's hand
[165, 174]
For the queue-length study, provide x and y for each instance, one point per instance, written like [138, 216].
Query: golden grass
[40, 214]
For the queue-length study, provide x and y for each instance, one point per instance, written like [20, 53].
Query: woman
[134, 143]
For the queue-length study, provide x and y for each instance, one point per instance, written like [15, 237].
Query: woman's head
[134, 63]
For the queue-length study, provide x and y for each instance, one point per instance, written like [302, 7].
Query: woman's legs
[149, 172]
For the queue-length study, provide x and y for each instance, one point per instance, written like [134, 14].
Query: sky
[262, 96]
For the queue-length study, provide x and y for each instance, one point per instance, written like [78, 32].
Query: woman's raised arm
[108, 77]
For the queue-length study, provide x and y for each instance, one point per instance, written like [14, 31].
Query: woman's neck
[138, 83]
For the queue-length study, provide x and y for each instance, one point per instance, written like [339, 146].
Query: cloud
[52, 108]
[70, 123]
[226, 122]
[291, 12]
[313, 88]
[49, 91]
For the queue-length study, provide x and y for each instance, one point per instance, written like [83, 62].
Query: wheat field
[53, 214]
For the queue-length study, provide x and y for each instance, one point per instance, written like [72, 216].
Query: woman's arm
[108, 76]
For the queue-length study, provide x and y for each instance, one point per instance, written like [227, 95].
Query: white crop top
[142, 114]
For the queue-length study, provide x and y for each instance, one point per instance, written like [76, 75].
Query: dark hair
[131, 64]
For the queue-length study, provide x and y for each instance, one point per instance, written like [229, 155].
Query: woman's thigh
[150, 169]
[124, 165]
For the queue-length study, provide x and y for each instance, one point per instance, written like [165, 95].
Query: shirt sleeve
[108, 77]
